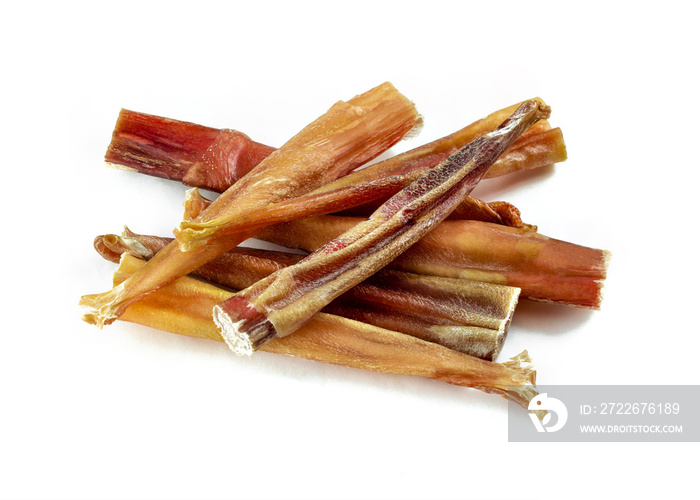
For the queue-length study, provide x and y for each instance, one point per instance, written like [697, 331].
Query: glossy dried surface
[196, 155]
[348, 135]
[214, 159]
[184, 307]
[545, 269]
[281, 303]
[363, 191]
[464, 315]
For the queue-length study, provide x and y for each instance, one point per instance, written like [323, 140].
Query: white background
[129, 412]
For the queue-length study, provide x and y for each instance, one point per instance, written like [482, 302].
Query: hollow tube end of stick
[242, 327]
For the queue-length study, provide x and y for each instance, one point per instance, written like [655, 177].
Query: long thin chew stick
[497, 212]
[196, 155]
[371, 186]
[193, 233]
[214, 159]
[281, 303]
[545, 269]
[464, 315]
[348, 135]
[218, 158]
[184, 307]
[537, 147]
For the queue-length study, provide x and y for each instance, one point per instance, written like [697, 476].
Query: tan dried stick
[348, 135]
[545, 269]
[467, 316]
[279, 304]
[184, 307]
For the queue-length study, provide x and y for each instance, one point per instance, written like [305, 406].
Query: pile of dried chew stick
[404, 271]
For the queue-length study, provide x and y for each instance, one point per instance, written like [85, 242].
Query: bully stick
[545, 269]
[193, 232]
[281, 303]
[218, 158]
[497, 212]
[214, 159]
[348, 135]
[369, 187]
[184, 307]
[467, 316]
[196, 155]
[539, 146]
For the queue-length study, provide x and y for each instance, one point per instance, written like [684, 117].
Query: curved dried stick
[348, 135]
[468, 316]
[184, 307]
[278, 305]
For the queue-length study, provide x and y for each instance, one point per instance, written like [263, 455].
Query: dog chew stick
[214, 159]
[366, 189]
[193, 233]
[197, 233]
[468, 316]
[345, 137]
[184, 307]
[545, 269]
[200, 156]
[281, 303]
